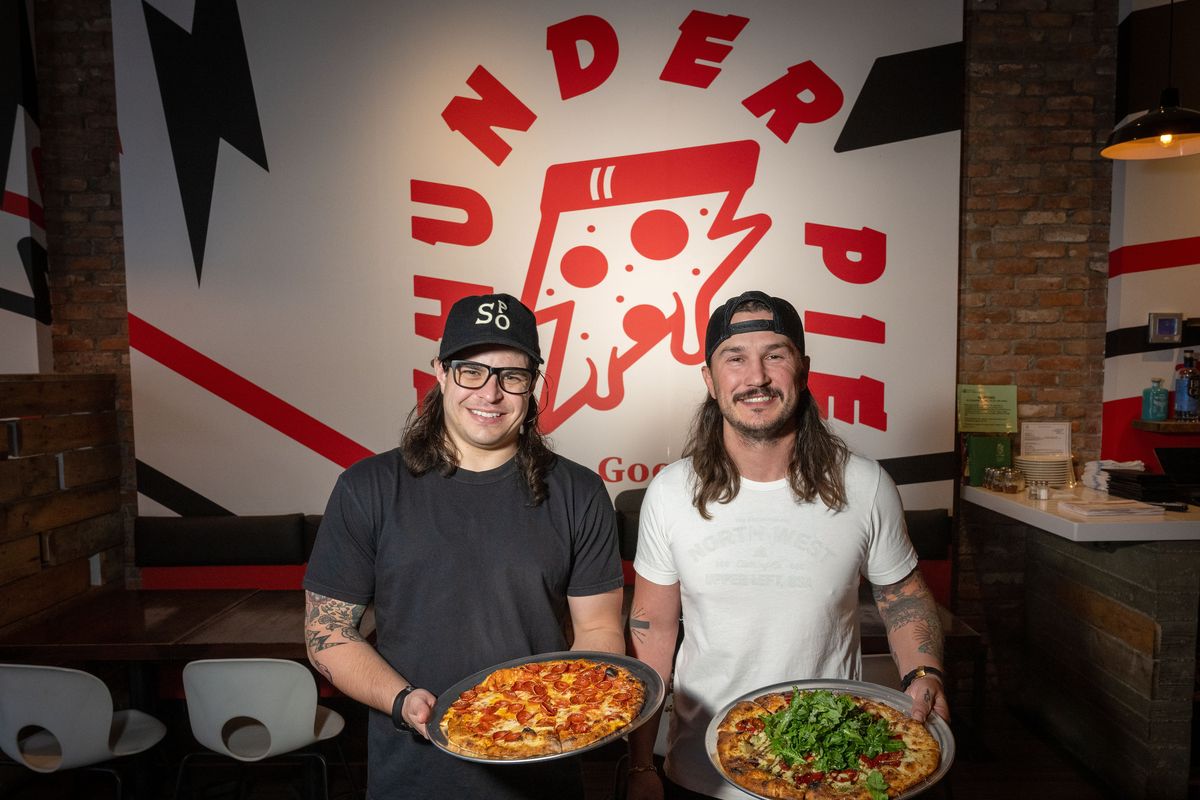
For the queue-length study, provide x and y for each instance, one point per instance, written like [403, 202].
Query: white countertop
[1045, 514]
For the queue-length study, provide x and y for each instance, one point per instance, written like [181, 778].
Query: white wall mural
[309, 186]
[24, 289]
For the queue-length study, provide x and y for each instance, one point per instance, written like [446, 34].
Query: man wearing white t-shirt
[760, 537]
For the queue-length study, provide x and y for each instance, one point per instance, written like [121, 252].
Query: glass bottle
[1154, 401]
[1187, 390]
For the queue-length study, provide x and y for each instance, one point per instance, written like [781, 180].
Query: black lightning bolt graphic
[207, 94]
[907, 96]
[18, 77]
[18, 89]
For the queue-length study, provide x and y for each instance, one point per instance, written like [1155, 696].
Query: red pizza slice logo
[630, 251]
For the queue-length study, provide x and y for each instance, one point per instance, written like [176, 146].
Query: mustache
[768, 392]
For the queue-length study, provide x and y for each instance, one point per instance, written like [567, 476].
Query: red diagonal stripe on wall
[22, 206]
[233, 388]
[1154, 255]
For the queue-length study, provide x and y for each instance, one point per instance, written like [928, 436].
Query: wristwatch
[920, 672]
[398, 721]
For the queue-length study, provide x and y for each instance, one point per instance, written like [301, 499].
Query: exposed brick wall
[82, 199]
[1036, 199]
[1035, 236]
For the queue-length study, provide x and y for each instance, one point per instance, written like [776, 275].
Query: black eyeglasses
[473, 375]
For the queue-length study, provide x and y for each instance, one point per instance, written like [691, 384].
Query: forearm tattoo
[638, 625]
[908, 603]
[329, 623]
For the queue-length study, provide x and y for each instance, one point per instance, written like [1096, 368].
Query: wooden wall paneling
[38, 395]
[81, 467]
[112, 564]
[19, 558]
[82, 539]
[55, 510]
[27, 477]
[27, 596]
[55, 434]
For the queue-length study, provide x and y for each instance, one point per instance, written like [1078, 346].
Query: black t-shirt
[463, 575]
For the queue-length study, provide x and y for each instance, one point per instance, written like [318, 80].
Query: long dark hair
[425, 445]
[817, 468]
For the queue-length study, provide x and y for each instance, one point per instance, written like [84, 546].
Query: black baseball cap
[784, 319]
[499, 319]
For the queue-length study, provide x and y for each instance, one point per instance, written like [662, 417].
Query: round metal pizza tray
[937, 727]
[649, 678]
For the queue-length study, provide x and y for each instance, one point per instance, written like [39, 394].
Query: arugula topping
[877, 786]
[832, 730]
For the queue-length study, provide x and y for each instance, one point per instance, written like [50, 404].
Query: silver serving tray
[936, 726]
[649, 678]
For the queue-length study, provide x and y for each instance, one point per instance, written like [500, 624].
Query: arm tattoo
[329, 622]
[908, 603]
[638, 626]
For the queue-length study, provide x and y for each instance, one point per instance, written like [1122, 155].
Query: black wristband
[398, 710]
[920, 672]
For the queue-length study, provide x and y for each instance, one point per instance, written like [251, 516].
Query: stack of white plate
[1054, 469]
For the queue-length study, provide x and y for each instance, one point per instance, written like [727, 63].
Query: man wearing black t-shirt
[477, 545]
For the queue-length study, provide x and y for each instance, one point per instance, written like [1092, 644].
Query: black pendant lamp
[1168, 131]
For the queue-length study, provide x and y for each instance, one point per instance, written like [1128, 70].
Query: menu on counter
[987, 409]
[1109, 508]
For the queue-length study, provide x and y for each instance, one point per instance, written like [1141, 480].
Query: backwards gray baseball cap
[784, 320]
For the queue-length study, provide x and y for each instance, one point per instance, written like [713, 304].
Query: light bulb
[1165, 139]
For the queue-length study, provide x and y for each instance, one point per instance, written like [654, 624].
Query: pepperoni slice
[498, 735]
[604, 686]
[558, 669]
[512, 736]
[534, 668]
[460, 705]
[539, 689]
[575, 718]
[579, 727]
[523, 716]
[468, 695]
[622, 697]
[562, 686]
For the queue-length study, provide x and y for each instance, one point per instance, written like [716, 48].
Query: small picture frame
[1165, 328]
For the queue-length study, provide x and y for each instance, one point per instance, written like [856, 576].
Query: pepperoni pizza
[543, 708]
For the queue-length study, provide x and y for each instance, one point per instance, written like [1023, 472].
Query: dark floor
[1031, 768]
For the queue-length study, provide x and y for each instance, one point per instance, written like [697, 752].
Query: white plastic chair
[53, 718]
[251, 709]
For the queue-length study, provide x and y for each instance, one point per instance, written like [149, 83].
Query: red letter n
[804, 94]
[496, 107]
[696, 43]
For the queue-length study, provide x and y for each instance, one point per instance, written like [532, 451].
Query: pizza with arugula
[821, 745]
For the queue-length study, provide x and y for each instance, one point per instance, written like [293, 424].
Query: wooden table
[150, 628]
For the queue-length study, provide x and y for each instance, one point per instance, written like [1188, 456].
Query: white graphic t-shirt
[769, 591]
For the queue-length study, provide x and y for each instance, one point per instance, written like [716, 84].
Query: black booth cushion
[219, 540]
